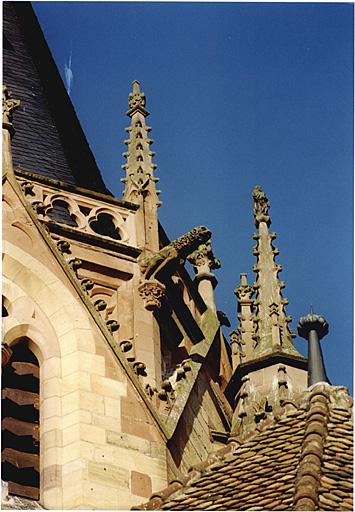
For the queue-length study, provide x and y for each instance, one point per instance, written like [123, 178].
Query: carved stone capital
[9, 105]
[152, 293]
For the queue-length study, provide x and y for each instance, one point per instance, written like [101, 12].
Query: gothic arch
[20, 451]
[58, 333]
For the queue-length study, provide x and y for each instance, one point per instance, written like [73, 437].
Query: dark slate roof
[48, 140]
[301, 460]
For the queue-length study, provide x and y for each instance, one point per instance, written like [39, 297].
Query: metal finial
[313, 328]
[312, 322]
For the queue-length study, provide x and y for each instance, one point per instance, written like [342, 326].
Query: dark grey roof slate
[48, 140]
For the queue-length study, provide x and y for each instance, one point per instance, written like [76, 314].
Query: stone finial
[136, 98]
[9, 105]
[313, 328]
[261, 206]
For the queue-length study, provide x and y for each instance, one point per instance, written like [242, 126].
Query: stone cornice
[93, 240]
[262, 362]
[60, 186]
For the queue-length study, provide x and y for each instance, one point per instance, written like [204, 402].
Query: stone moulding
[91, 239]
[210, 325]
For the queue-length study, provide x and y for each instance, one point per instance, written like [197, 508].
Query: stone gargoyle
[177, 250]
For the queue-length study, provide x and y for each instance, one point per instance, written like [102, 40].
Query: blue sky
[240, 94]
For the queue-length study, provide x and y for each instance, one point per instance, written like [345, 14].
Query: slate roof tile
[48, 138]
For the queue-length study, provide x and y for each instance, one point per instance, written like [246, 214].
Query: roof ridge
[313, 407]
[309, 469]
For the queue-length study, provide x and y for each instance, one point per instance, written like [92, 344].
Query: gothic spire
[139, 181]
[271, 332]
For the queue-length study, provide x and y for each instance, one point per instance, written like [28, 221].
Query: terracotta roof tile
[302, 460]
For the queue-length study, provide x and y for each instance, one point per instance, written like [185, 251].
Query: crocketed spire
[271, 332]
[139, 180]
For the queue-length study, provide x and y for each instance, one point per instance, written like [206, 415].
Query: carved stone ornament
[340, 398]
[136, 98]
[261, 206]
[203, 255]
[244, 291]
[178, 249]
[152, 293]
[9, 105]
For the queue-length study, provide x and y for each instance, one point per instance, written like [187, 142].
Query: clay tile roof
[301, 461]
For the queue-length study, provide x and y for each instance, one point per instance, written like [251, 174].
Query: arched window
[20, 422]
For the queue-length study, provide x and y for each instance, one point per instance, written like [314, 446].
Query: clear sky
[240, 94]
